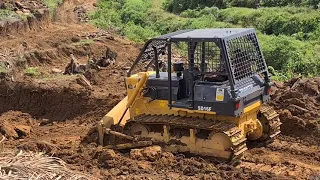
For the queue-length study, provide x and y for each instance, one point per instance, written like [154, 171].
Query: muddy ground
[43, 110]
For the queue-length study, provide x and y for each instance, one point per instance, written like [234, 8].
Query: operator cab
[221, 70]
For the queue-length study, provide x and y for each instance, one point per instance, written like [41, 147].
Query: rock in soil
[22, 130]
[8, 130]
[136, 154]
[152, 153]
[106, 154]
[56, 70]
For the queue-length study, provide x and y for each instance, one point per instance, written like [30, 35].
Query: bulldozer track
[273, 121]
[214, 126]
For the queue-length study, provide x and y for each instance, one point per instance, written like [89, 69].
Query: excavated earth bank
[27, 16]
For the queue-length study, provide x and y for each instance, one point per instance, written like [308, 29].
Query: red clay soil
[298, 103]
[51, 112]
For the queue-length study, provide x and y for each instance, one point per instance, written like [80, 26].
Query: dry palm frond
[33, 166]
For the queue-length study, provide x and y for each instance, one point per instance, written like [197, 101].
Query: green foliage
[135, 11]
[207, 22]
[3, 69]
[315, 35]
[288, 21]
[196, 13]
[83, 42]
[32, 71]
[277, 3]
[289, 56]
[107, 15]
[119, 15]
[6, 14]
[139, 21]
[243, 3]
[137, 33]
[177, 6]
[52, 4]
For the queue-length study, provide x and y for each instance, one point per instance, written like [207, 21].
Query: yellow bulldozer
[210, 101]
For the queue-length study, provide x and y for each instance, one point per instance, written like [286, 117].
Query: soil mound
[153, 163]
[61, 100]
[297, 102]
[16, 124]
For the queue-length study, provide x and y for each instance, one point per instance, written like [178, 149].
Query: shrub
[244, 3]
[196, 13]
[135, 11]
[107, 15]
[276, 3]
[207, 22]
[177, 6]
[288, 21]
[137, 33]
[52, 5]
[290, 56]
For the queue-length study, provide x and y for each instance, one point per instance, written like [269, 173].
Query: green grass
[7, 15]
[52, 5]
[83, 42]
[24, 17]
[32, 71]
[3, 70]
[55, 77]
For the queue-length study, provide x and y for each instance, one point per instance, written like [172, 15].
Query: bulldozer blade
[114, 117]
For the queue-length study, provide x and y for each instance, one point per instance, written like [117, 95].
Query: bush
[52, 5]
[165, 24]
[277, 3]
[137, 33]
[244, 3]
[171, 23]
[196, 13]
[177, 6]
[135, 11]
[290, 56]
[288, 21]
[315, 35]
[107, 15]
[206, 22]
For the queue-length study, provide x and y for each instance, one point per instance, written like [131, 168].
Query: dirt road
[55, 112]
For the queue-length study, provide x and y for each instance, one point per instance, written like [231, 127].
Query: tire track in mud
[285, 158]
